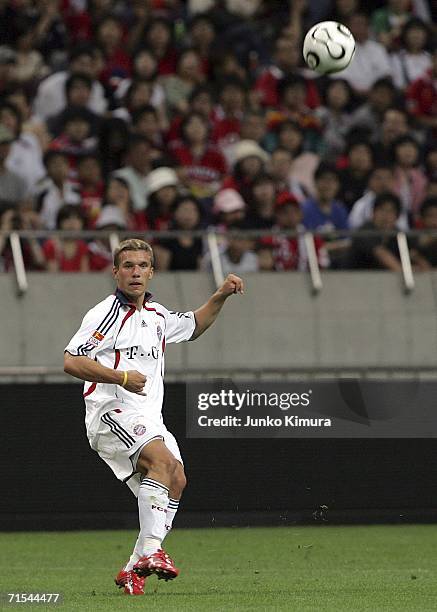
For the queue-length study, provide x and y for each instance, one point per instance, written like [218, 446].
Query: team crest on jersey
[139, 429]
[159, 332]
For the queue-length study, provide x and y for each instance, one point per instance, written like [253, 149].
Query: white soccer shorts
[119, 437]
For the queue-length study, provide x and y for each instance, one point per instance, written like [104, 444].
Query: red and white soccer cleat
[158, 563]
[131, 582]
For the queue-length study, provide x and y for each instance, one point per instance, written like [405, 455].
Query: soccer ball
[328, 47]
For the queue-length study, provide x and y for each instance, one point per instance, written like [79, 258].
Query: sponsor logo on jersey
[143, 323]
[139, 429]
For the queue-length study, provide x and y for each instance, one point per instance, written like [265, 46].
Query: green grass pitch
[318, 568]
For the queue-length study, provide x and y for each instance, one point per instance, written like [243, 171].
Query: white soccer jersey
[119, 336]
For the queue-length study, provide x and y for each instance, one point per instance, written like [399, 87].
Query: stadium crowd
[138, 115]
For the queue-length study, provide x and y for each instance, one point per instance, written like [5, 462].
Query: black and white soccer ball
[328, 47]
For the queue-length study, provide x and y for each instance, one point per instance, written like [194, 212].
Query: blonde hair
[132, 244]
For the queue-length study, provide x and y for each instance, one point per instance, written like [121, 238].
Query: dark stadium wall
[53, 480]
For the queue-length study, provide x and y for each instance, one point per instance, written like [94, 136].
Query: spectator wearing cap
[249, 160]
[201, 166]
[409, 179]
[290, 253]
[50, 98]
[185, 252]
[162, 192]
[381, 251]
[324, 212]
[422, 97]
[371, 60]
[55, 189]
[111, 219]
[25, 157]
[136, 171]
[67, 254]
[229, 208]
[13, 189]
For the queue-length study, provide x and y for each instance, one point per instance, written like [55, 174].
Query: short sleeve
[96, 331]
[179, 326]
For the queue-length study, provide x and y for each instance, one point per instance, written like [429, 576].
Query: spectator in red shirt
[162, 192]
[286, 61]
[422, 97]
[229, 113]
[291, 253]
[201, 101]
[91, 187]
[292, 106]
[201, 165]
[75, 138]
[67, 254]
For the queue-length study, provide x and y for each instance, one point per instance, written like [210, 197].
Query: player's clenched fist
[134, 381]
[232, 284]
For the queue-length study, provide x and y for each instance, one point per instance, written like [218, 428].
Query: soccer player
[119, 353]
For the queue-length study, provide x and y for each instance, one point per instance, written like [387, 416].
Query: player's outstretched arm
[87, 369]
[207, 314]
